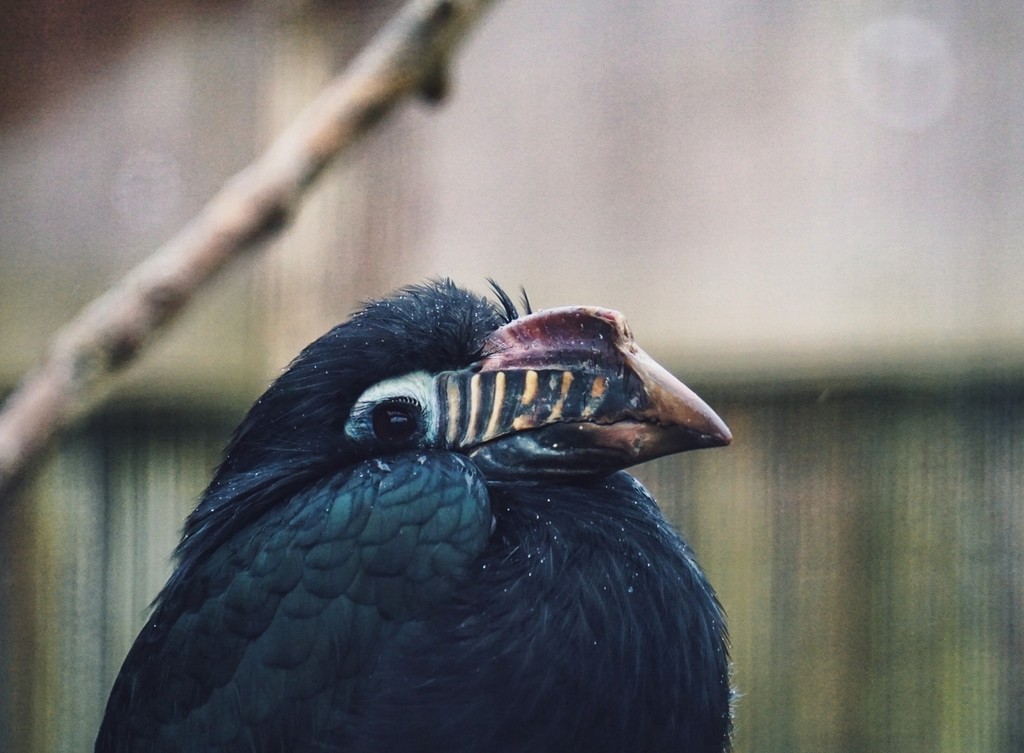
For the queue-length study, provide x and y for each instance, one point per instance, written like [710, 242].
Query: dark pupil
[394, 422]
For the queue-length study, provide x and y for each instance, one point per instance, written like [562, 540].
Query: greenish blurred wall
[866, 545]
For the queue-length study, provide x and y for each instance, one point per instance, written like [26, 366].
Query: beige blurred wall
[765, 190]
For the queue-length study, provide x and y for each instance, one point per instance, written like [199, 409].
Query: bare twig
[409, 55]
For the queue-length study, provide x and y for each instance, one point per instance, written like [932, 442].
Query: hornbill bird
[421, 538]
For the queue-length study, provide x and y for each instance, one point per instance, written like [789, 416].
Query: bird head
[565, 391]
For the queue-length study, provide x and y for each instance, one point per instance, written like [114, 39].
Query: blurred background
[812, 213]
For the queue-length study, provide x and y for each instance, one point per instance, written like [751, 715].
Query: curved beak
[568, 392]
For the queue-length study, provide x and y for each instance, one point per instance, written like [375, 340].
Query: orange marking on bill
[474, 410]
[498, 403]
[452, 433]
[529, 388]
[597, 391]
[556, 409]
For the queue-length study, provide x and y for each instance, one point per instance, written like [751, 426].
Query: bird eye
[395, 421]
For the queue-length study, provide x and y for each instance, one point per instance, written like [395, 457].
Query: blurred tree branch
[408, 56]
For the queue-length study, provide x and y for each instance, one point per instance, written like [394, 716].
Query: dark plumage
[386, 561]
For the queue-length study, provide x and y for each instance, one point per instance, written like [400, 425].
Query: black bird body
[351, 581]
[584, 625]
